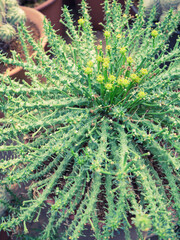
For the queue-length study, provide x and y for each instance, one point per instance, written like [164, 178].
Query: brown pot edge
[45, 4]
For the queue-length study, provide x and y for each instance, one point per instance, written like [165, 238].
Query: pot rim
[45, 4]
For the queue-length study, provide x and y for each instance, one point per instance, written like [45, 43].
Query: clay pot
[52, 10]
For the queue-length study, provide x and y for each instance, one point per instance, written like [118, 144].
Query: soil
[16, 45]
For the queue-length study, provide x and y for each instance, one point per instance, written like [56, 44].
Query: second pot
[52, 10]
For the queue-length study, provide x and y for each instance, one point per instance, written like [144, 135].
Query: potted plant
[12, 17]
[100, 138]
[50, 8]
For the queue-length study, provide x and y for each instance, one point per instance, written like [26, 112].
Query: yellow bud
[135, 78]
[118, 36]
[108, 86]
[154, 33]
[141, 94]
[129, 60]
[108, 47]
[100, 78]
[123, 50]
[107, 34]
[105, 64]
[124, 82]
[88, 70]
[144, 71]
[81, 21]
[106, 59]
[99, 58]
[90, 63]
[99, 47]
[112, 78]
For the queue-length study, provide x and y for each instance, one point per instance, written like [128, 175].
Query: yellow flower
[105, 64]
[81, 21]
[118, 36]
[108, 86]
[124, 82]
[108, 47]
[144, 71]
[124, 16]
[135, 78]
[90, 63]
[112, 78]
[123, 50]
[99, 58]
[154, 33]
[129, 60]
[107, 34]
[141, 94]
[99, 47]
[100, 78]
[88, 70]
[106, 59]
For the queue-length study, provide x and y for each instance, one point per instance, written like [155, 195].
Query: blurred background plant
[162, 7]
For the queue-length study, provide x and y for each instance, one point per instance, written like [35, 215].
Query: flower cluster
[115, 83]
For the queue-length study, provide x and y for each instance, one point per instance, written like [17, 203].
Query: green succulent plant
[11, 15]
[101, 136]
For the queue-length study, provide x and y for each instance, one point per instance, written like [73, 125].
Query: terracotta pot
[97, 11]
[52, 10]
